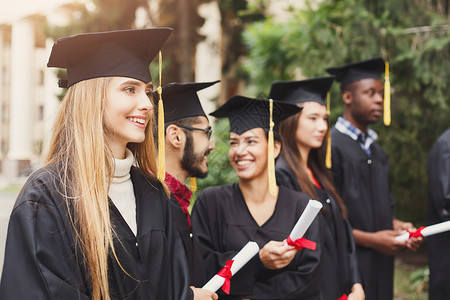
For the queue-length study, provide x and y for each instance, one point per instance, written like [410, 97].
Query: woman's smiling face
[248, 153]
[128, 110]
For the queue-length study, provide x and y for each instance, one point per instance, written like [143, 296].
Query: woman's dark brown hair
[316, 162]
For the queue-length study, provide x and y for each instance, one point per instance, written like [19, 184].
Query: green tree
[220, 170]
[412, 35]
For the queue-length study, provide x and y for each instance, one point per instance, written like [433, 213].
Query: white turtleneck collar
[123, 167]
[121, 190]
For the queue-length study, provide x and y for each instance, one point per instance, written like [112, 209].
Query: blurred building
[28, 89]
[26, 86]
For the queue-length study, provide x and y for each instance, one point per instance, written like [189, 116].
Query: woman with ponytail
[94, 222]
[301, 167]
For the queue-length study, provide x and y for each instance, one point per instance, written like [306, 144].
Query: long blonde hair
[85, 166]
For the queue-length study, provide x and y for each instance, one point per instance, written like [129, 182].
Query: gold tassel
[328, 153]
[387, 97]
[193, 184]
[270, 154]
[161, 139]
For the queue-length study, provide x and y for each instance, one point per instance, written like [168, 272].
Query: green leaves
[413, 35]
[220, 170]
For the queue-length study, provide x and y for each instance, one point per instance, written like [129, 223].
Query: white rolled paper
[239, 260]
[305, 220]
[427, 231]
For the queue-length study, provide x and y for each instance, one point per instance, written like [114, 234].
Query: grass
[409, 283]
[13, 188]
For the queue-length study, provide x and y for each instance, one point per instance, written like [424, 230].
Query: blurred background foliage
[413, 35]
[220, 170]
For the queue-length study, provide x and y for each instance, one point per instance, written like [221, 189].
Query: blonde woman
[89, 224]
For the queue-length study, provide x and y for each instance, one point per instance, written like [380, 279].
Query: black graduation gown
[43, 261]
[196, 272]
[439, 211]
[339, 267]
[363, 184]
[224, 225]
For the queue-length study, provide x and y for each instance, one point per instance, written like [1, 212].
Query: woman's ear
[173, 136]
[277, 148]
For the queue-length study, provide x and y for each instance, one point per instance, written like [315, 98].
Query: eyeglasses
[207, 131]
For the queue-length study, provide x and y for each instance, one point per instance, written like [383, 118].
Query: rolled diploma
[429, 230]
[239, 260]
[305, 220]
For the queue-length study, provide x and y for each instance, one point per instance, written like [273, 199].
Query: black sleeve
[39, 261]
[301, 278]
[336, 169]
[439, 179]
[209, 232]
[355, 276]
[284, 178]
[179, 277]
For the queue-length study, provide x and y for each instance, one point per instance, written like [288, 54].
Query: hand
[401, 226]
[414, 243]
[384, 241]
[201, 294]
[276, 255]
[357, 292]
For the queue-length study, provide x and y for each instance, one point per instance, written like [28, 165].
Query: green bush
[220, 170]
[413, 35]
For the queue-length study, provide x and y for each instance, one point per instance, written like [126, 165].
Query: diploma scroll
[425, 231]
[239, 260]
[305, 220]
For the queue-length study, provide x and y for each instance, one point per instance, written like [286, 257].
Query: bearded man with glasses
[188, 143]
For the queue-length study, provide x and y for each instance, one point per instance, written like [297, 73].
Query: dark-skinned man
[361, 173]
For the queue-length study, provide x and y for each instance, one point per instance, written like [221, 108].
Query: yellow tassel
[328, 153]
[193, 184]
[161, 138]
[270, 154]
[387, 97]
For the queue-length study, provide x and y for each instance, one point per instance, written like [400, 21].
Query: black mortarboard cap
[125, 53]
[295, 92]
[247, 113]
[181, 99]
[370, 68]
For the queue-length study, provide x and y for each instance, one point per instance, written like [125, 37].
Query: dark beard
[191, 161]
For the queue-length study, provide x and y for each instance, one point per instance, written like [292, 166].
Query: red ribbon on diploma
[301, 243]
[343, 297]
[417, 233]
[226, 273]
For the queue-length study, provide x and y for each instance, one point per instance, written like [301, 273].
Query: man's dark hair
[349, 87]
[188, 121]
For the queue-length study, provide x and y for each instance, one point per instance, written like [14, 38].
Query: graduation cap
[370, 68]
[181, 100]
[247, 113]
[125, 53]
[295, 92]
[309, 90]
